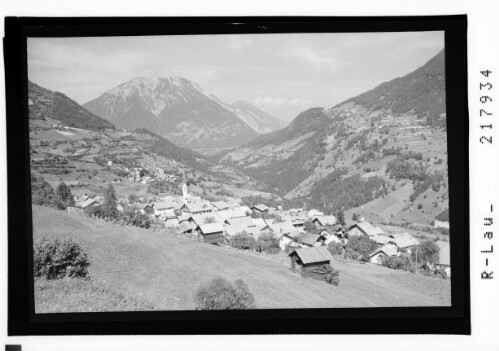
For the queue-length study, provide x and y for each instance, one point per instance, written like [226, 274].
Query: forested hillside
[44, 103]
[388, 144]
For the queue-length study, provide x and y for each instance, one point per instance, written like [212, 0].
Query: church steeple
[184, 187]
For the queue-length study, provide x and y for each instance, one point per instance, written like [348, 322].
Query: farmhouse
[364, 228]
[282, 228]
[311, 262]
[241, 221]
[197, 208]
[382, 252]
[212, 233]
[220, 205]
[314, 213]
[404, 241]
[261, 208]
[289, 239]
[298, 222]
[330, 238]
[322, 221]
[312, 240]
[381, 239]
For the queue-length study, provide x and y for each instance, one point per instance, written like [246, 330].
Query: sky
[283, 74]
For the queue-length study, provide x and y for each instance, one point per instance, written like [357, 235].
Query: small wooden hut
[212, 233]
[311, 262]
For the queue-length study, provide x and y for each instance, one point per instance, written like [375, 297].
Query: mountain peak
[174, 107]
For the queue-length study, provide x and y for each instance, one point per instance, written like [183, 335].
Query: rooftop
[313, 254]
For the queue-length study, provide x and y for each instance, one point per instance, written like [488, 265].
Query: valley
[166, 186]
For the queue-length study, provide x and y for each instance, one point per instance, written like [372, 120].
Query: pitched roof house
[364, 228]
[312, 240]
[245, 221]
[260, 208]
[380, 253]
[322, 221]
[220, 205]
[381, 239]
[197, 207]
[404, 240]
[282, 228]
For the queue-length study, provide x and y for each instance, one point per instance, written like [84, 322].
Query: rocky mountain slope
[181, 111]
[259, 120]
[386, 144]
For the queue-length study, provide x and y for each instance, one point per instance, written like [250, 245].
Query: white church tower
[184, 187]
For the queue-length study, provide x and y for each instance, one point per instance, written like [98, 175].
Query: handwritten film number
[485, 99]
[489, 234]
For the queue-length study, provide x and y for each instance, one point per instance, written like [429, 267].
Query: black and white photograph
[239, 171]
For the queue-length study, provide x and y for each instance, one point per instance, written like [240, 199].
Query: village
[305, 235]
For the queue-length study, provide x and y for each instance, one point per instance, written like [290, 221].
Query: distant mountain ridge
[178, 109]
[45, 103]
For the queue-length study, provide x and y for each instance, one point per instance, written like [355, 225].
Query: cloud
[315, 58]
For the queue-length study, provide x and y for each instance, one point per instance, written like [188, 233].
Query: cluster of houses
[146, 174]
[214, 222]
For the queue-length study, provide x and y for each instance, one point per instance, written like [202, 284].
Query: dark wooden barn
[212, 233]
[311, 262]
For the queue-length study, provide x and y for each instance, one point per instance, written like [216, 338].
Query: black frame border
[400, 320]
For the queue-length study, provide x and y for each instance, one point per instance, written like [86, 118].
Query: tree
[336, 249]
[340, 215]
[63, 196]
[359, 247]
[243, 241]
[427, 252]
[267, 242]
[220, 294]
[108, 209]
[309, 226]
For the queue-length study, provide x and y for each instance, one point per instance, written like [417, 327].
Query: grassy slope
[164, 271]
[82, 295]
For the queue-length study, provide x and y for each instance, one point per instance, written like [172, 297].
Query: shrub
[402, 262]
[133, 217]
[58, 258]
[243, 241]
[220, 294]
[332, 276]
[267, 242]
[420, 206]
[41, 191]
[427, 252]
[359, 247]
[336, 249]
